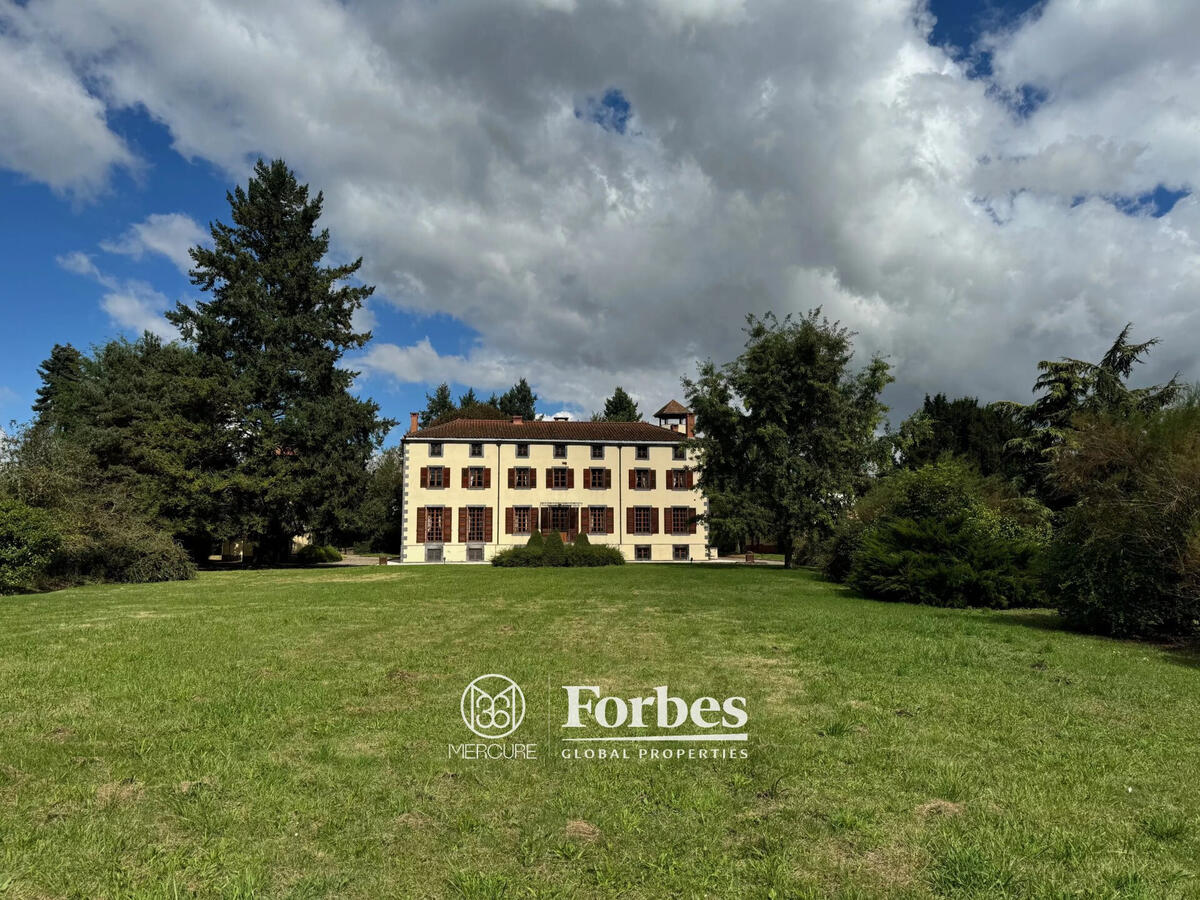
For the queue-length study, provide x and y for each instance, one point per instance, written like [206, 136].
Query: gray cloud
[780, 155]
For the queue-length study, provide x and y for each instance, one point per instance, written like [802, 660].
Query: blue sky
[591, 199]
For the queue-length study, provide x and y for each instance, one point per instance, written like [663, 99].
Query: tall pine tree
[278, 322]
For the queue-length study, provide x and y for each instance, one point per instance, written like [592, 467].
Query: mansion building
[473, 487]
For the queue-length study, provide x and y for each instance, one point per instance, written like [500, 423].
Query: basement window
[641, 552]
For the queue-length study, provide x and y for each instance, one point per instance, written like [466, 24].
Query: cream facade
[466, 498]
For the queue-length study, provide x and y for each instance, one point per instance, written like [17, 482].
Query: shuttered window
[437, 476]
[475, 523]
[559, 478]
[597, 520]
[642, 480]
[522, 520]
[679, 519]
[641, 519]
[433, 523]
[521, 477]
[478, 477]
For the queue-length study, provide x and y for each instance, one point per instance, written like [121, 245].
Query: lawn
[286, 733]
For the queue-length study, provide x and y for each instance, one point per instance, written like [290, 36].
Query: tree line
[1086, 499]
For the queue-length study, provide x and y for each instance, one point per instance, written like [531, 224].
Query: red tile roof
[507, 430]
[674, 408]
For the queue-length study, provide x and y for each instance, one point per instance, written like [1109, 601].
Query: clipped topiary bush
[581, 552]
[553, 551]
[28, 542]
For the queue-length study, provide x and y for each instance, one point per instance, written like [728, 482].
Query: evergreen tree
[60, 374]
[979, 434]
[1073, 388]
[468, 399]
[519, 400]
[438, 406]
[620, 407]
[297, 442]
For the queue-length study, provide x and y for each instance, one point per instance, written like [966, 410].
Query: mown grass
[284, 734]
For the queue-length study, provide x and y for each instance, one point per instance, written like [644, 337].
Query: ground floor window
[642, 551]
[680, 551]
[641, 520]
[596, 520]
[474, 554]
[475, 523]
[522, 520]
[433, 524]
[433, 554]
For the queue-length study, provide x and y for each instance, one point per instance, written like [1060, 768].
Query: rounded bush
[312, 554]
[28, 542]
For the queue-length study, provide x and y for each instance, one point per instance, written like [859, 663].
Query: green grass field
[285, 734]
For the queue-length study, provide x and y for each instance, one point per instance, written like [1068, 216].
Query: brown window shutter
[587, 478]
[690, 481]
[608, 478]
[512, 477]
[692, 522]
[575, 520]
[424, 476]
[652, 479]
[570, 478]
[533, 478]
[549, 478]
[668, 522]
[463, 516]
[632, 478]
[466, 476]
[608, 520]
[487, 525]
[487, 477]
[421, 524]
[545, 519]
[446, 511]
[629, 520]
[508, 519]
[654, 520]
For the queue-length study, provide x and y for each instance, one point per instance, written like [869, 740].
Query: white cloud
[785, 154]
[168, 234]
[54, 130]
[131, 304]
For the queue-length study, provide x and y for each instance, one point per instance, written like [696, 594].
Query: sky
[596, 193]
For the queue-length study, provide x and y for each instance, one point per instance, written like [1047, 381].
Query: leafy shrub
[119, 548]
[943, 536]
[312, 554]
[553, 551]
[946, 562]
[517, 557]
[28, 542]
[1125, 559]
[581, 552]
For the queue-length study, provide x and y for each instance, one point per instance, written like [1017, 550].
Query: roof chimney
[412, 422]
[517, 420]
[691, 424]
